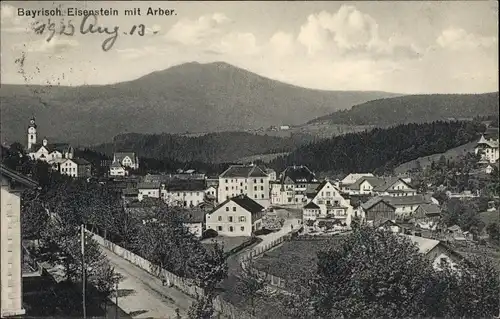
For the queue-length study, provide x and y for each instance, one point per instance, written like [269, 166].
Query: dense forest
[415, 109]
[380, 150]
[209, 148]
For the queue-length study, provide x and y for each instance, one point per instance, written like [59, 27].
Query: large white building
[237, 216]
[328, 204]
[11, 291]
[488, 149]
[373, 185]
[184, 192]
[294, 185]
[248, 180]
[76, 167]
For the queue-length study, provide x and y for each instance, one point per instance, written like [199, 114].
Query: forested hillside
[209, 148]
[415, 109]
[381, 150]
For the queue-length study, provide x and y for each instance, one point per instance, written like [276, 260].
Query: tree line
[381, 150]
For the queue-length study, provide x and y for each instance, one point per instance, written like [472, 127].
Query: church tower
[31, 133]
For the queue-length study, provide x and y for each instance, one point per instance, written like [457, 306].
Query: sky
[402, 47]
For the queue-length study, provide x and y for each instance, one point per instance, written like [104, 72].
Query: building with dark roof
[295, 184]
[250, 180]
[236, 216]
[13, 184]
[184, 192]
[389, 186]
[127, 159]
[76, 167]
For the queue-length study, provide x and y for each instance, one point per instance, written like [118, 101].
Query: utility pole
[83, 272]
[116, 300]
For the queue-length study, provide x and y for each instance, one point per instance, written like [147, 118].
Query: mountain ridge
[190, 97]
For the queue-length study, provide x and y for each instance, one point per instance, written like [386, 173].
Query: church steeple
[32, 134]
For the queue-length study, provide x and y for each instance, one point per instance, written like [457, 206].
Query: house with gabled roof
[377, 209]
[126, 159]
[487, 147]
[236, 216]
[436, 251]
[148, 190]
[184, 192]
[328, 203]
[250, 180]
[76, 167]
[116, 169]
[389, 186]
[293, 186]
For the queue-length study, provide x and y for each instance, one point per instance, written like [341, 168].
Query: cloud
[282, 44]
[457, 39]
[197, 32]
[135, 53]
[11, 22]
[348, 32]
[235, 43]
[55, 46]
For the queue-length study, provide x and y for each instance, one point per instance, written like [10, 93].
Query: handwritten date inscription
[88, 25]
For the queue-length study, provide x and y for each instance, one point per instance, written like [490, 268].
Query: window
[219, 218]
[242, 219]
[255, 181]
[234, 208]
[241, 191]
[255, 196]
[230, 219]
[262, 188]
[255, 188]
[226, 180]
[231, 229]
[241, 184]
[219, 228]
[262, 195]
[227, 188]
[227, 209]
[261, 180]
[242, 228]
[328, 194]
[197, 194]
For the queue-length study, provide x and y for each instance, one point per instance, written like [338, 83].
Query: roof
[186, 185]
[311, 205]
[245, 202]
[78, 161]
[430, 208]
[17, 177]
[353, 177]
[425, 245]
[383, 222]
[60, 147]
[357, 200]
[299, 174]
[119, 156]
[375, 200]
[243, 171]
[148, 185]
[406, 200]
[491, 142]
[195, 215]
[130, 191]
[379, 184]
[373, 180]
[116, 164]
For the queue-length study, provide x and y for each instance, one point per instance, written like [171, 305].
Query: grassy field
[451, 154]
[291, 259]
[228, 242]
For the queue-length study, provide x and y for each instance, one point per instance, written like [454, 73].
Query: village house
[487, 147]
[126, 159]
[427, 216]
[237, 216]
[327, 203]
[249, 180]
[435, 251]
[194, 221]
[271, 173]
[148, 190]
[11, 292]
[294, 185]
[378, 209]
[388, 186]
[76, 167]
[116, 169]
[351, 179]
[406, 206]
[211, 193]
[184, 192]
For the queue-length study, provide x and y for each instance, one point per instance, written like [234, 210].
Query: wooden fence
[185, 285]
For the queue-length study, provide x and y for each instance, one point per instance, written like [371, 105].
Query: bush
[210, 233]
